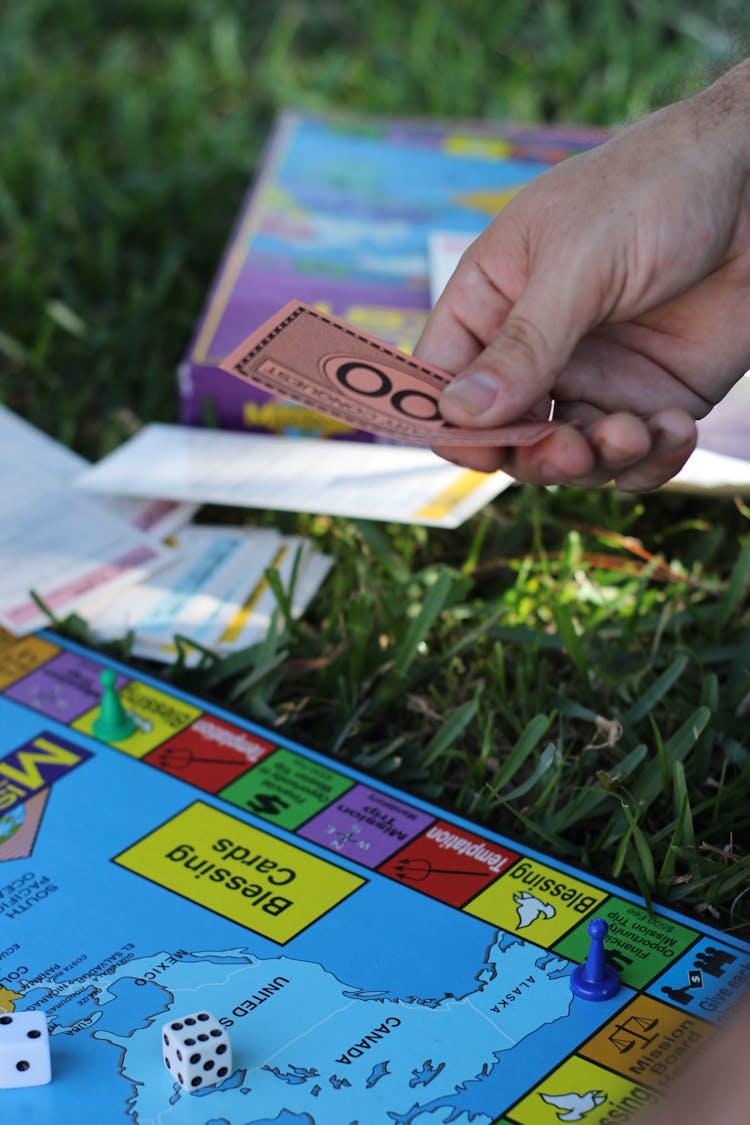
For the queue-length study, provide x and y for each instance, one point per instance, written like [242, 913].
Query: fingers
[565, 457]
[637, 454]
[673, 438]
[469, 312]
[519, 366]
[482, 459]
[562, 458]
[504, 320]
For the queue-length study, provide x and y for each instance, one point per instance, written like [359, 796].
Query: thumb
[518, 369]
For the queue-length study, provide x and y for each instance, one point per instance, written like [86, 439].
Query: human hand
[618, 285]
[715, 1087]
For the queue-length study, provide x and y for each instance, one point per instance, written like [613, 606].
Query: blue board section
[412, 975]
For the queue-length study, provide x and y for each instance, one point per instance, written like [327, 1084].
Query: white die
[24, 1050]
[196, 1050]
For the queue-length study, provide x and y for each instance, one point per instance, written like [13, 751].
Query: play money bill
[324, 364]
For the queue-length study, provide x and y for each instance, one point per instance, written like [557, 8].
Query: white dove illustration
[530, 908]
[576, 1106]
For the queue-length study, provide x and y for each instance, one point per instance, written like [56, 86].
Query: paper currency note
[323, 363]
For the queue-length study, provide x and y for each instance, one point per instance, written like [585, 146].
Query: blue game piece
[595, 980]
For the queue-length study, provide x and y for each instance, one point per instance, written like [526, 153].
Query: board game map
[372, 958]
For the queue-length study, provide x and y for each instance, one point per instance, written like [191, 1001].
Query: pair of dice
[24, 1050]
[196, 1050]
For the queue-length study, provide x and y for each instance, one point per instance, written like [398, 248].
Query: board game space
[372, 958]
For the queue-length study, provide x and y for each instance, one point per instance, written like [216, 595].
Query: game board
[373, 958]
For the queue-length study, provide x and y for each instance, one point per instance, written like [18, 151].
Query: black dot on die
[179, 1055]
[34, 1033]
[203, 1016]
[222, 1071]
[203, 1038]
[196, 1081]
[22, 1064]
[221, 1048]
[189, 1042]
[6, 1019]
[209, 1065]
[195, 1058]
[215, 1031]
[179, 1078]
[190, 1021]
[176, 1026]
[166, 1040]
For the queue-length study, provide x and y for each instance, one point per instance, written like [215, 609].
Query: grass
[570, 668]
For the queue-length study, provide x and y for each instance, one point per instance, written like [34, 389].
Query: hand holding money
[615, 284]
[310, 358]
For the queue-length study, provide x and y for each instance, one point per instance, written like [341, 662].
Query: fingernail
[475, 392]
[672, 435]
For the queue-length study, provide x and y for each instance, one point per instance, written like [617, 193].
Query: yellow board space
[536, 902]
[581, 1091]
[157, 715]
[240, 872]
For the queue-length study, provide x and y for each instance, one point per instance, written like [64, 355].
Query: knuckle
[524, 337]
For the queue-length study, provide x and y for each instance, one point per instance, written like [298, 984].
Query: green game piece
[113, 723]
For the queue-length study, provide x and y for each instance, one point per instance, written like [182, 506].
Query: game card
[361, 480]
[25, 444]
[61, 546]
[195, 595]
[444, 250]
[301, 571]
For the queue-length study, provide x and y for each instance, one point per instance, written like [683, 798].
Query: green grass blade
[735, 587]
[433, 605]
[571, 641]
[526, 744]
[454, 725]
[656, 691]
